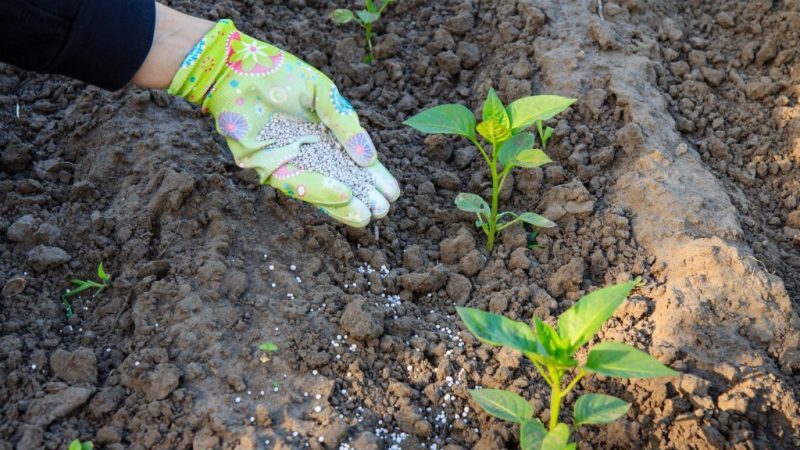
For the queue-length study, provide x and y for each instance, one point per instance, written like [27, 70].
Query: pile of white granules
[327, 156]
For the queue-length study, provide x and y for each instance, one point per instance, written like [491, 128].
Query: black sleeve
[101, 42]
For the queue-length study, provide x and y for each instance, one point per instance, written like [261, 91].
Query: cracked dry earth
[680, 163]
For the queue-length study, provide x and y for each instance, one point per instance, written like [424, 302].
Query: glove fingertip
[378, 204]
[385, 182]
[355, 214]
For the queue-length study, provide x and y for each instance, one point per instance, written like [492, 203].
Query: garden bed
[679, 163]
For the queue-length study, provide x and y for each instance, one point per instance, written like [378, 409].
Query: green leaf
[615, 359]
[75, 445]
[495, 329]
[367, 17]
[494, 131]
[503, 404]
[549, 338]
[472, 203]
[268, 347]
[445, 119]
[557, 438]
[531, 434]
[531, 158]
[577, 325]
[342, 16]
[544, 133]
[572, 446]
[512, 147]
[82, 286]
[87, 446]
[101, 273]
[525, 111]
[598, 409]
[548, 133]
[536, 220]
[493, 109]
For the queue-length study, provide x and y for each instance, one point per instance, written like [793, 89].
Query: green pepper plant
[365, 18]
[505, 129]
[552, 353]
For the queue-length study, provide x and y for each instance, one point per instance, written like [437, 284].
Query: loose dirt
[679, 163]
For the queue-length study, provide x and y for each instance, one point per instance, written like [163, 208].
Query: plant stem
[368, 35]
[555, 404]
[493, 213]
[572, 383]
[542, 372]
[491, 230]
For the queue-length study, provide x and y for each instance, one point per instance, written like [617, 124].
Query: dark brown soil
[680, 163]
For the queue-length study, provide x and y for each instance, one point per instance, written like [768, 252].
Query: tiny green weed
[267, 348]
[78, 445]
[505, 128]
[365, 18]
[531, 241]
[85, 285]
[552, 354]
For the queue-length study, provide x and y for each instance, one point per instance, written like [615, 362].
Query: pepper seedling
[78, 445]
[365, 18]
[505, 129]
[85, 285]
[552, 353]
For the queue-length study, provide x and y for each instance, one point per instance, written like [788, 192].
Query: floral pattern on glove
[248, 56]
[361, 148]
[287, 171]
[340, 104]
[232, 125]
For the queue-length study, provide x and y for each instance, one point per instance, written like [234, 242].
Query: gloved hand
[244, 83]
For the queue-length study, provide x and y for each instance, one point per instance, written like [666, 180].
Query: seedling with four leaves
[365, 18]
[552, 353]
[85, 285]
[505, 129]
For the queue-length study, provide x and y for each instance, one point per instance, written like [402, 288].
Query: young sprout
[552, 353]
[267, 348]
[84, 285]
[364, 17]
[531, 241]
[78, 445]
[505, 129]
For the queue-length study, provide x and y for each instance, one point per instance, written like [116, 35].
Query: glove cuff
[199, 71]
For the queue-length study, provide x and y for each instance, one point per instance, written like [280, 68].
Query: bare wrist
[174, 36]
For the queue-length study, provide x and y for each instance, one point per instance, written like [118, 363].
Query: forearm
[174, 36]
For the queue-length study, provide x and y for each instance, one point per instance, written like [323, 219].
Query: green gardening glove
[245, 83]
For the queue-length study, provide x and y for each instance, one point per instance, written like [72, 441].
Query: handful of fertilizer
[327, 156]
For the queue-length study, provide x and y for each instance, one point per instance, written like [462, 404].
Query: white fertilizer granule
[327, 156]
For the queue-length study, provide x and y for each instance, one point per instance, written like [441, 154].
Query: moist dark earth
[680, 163]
